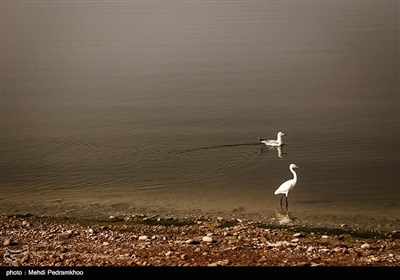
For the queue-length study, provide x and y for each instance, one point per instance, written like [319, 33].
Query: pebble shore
[143, 241]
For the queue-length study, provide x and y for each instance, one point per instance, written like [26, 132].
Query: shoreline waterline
[281, 219]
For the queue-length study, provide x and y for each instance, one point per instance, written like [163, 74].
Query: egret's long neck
[294, 174]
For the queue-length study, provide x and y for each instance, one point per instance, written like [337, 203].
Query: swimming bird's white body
[285, 187]
[274, 143]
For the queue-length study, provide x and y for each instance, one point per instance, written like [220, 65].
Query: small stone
[367, 253]
[277, 244]
[207, 239]
[223, 263]
[142, 237]
[111, 217]
[373, 258]
[67, 234]
[25, 223]
[169, 253]
[7, 242]
[299, 234]
[90, 231]
[209, 234]
[324, 250]
[212, 264]
[189, 241]
[295, 240]
[105, 243]
[365, 246]
[310, 249]
[343, 225]
[184, 257]
[324, 236]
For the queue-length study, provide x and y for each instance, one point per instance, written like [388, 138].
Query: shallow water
[156, 107]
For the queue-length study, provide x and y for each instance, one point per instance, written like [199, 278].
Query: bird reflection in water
[279, 150]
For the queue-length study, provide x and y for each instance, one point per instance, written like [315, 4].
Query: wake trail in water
[217, 147]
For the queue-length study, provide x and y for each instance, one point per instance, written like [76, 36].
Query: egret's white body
[274, 143]
[285, 187]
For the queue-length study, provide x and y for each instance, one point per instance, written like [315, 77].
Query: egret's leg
[281, 201]
[287, 204]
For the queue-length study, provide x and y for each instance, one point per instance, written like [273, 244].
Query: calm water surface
[129, 106]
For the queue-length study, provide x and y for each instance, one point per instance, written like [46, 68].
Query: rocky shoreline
[200, 242]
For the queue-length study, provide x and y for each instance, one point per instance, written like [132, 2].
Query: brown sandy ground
[141, 241]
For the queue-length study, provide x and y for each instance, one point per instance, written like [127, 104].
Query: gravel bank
[143, 241]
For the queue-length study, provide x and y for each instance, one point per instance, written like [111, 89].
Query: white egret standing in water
[274, 143]
[285, 188]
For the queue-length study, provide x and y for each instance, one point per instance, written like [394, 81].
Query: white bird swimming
[285, 187]
[277, 142]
